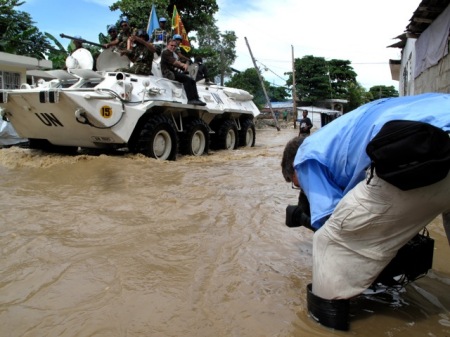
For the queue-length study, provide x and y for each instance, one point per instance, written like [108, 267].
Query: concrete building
[425, 61]
[13, 69]
[13, 73]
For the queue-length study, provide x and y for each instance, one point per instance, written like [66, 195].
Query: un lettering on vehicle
[48, 119]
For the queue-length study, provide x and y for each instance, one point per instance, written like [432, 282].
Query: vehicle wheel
[226, 136]
[158, 139]
[247, 134]
[195, 139]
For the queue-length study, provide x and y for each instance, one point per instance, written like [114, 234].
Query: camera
[296, 217]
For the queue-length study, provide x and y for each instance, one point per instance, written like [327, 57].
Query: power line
[266, 68]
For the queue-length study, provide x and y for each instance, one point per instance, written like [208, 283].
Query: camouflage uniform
[142, 59]
[123, 40]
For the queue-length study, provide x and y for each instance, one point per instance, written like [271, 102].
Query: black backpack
[409, 154]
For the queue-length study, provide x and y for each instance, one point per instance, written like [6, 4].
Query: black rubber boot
[330, 313]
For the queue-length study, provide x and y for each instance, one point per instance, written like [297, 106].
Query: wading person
[361, 220]
[305, 124]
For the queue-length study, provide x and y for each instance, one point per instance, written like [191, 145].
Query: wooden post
[294, 93]
[262, 84]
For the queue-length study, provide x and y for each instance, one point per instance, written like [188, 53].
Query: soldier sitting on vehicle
[112, 32]
[121, 40]
[173, 69]
[183, 58]
[160, 35]
[141, 54]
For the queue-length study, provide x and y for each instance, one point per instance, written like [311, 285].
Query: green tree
[317, 80]
[357, 96]
[311, 77]
[342, 76]
[217, 50]
[249, 81]
[57, 55]
[382, 91]
[277, 93]
[194, 13]
[18, 35]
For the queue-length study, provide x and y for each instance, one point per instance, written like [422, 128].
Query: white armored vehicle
[105, 109]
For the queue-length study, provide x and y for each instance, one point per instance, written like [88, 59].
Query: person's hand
[135, 38]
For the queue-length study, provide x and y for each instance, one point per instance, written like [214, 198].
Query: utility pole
[262, 84]
[294, 93]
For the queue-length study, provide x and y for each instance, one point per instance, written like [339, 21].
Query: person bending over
[361, 223]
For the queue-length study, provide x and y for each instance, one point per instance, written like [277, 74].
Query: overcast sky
[354, 30]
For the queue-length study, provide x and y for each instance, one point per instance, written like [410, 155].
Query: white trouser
[367, 228]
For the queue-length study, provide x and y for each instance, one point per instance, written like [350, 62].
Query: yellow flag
[178, 28]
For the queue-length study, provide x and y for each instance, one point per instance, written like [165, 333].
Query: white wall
[406, 85]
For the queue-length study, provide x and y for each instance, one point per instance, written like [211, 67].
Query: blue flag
[153, 22]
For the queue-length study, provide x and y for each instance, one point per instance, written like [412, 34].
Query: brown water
[130, 246]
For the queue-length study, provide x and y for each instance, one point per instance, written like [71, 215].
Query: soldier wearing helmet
[112, 32]
[160, 35]
[183, 58]
[121, 40]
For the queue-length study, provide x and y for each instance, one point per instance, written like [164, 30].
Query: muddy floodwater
[125, 246]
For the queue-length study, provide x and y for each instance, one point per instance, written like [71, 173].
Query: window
[9, 80]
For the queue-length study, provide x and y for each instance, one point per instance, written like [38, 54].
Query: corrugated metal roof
[422, 17]
[425, 14]
[289, 105]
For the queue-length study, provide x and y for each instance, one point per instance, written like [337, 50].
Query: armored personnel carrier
[110, 110]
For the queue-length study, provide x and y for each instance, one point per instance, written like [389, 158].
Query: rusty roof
[425, 14]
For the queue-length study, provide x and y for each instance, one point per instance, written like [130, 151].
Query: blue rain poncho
[333, 160]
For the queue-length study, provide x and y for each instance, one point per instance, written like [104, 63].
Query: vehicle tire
[247, 134]
[46, 146]
[226, 136]
[194, 141]
[158, 139]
